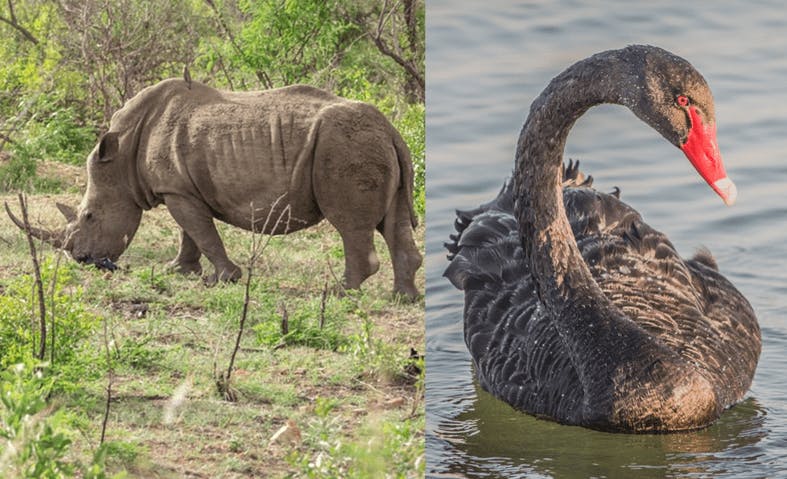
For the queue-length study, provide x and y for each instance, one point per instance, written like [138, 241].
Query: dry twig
[322, 303]
[111, 374]
[14, 23]
[39, 286]
[257, 248]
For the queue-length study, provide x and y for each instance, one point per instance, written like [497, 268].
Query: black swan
[575, 309]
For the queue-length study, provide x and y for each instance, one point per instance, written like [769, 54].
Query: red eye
[683, 100]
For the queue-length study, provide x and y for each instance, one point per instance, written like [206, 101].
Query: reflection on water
[486, 62]
[488, 429]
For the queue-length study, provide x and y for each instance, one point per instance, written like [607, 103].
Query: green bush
[73, 359]
[35, 436]
[283, 42]
[137, 353]
[53, 132]
[19, 174]
[412, 127]
[56, 134]
[35, 439]
[374, 357]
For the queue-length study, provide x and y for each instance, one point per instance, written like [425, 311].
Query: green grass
[344, 384]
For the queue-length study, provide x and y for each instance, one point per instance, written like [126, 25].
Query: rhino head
[101, 228]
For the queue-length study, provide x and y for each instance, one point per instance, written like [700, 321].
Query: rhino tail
[406, 169]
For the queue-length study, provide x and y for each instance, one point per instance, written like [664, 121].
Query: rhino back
[234, 149]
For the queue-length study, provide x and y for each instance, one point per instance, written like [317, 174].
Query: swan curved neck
[546, 235]
[586, 320]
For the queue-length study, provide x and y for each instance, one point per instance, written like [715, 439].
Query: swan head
[675, 100]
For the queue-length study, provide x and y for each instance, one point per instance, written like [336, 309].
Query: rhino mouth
[62, 238]
[105, 264]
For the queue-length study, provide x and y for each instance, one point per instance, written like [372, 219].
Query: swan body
[575, 308]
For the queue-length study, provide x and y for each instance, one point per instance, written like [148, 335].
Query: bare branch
[52, 303]
[257, 248]
[411, 21]
[222, 67]
[244, 313]
[110, 374]
[16, 26]
[39, 285]
[408, 66]
[322, 303]
[392, 47]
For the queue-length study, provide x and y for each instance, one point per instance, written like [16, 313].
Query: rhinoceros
[244, 157]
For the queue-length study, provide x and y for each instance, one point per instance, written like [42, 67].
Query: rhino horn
[53, 238]
[69, 212]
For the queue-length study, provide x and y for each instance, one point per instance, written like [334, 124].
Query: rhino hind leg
[187, 261]
[357, 184]
[397, 230]
[196, 220]
[353, 188]
[360, 258]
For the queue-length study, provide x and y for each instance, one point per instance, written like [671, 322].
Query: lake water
[486, 62]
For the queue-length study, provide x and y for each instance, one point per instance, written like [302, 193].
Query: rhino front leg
[196, 220]
[187, 261]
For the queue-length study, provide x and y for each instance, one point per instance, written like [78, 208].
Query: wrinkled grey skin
[235, 156]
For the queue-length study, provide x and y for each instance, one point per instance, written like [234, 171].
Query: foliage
[393, 449]
[65, 67]
[73, 323]
[35, 444]
[121, 452]
[29, 63]
[330, 44]
[395, 32]
[412, 127]
[284, 42]
[330, 460]
[374, 357]
[56, 133]
[19, 173]
[52, 133]
[137, 352]
[35, 437]
[167, 331]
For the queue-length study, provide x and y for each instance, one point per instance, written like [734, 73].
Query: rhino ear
[108, 146]
[69, 212]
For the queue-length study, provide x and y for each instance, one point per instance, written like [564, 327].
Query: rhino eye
[88, 216]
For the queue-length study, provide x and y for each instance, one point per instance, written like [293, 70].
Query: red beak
[703, 152]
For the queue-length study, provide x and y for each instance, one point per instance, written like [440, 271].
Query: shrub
[73, 359]
[53, 132]
[412, 127]
[35, 439]
[19, 174]
[56, 133]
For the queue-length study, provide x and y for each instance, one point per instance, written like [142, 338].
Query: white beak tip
[727, 190]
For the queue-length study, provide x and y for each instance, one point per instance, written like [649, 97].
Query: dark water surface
[486, 62]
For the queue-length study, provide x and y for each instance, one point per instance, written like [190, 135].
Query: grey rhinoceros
[234, 156]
